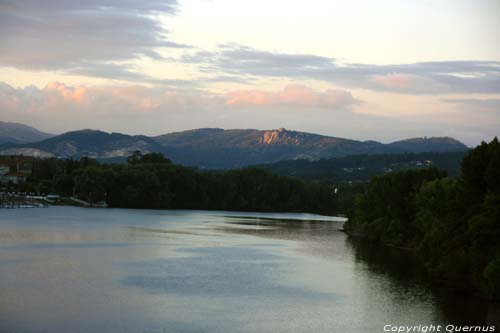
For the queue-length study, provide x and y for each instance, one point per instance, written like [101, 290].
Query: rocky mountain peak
[279, 136]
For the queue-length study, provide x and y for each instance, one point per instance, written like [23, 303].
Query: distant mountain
[19, 133]
[91, 143]
[420, 145]
[218, 148]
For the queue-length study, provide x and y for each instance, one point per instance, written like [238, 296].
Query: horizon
[335, 69]
[243, 129]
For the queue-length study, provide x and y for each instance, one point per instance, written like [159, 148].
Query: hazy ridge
[218, 148]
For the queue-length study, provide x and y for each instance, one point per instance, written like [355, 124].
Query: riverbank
[151, 181]
[21, 200]
[435, 277]
[451, 224]
[28, 200]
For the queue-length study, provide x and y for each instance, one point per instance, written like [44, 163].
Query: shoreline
[431, 275]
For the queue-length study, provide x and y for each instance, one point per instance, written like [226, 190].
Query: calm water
[67, 269]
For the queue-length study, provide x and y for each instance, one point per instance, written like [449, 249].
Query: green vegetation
[362, 168]
[453, 224]
[152, 181]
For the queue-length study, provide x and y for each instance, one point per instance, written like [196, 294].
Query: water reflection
[407, 276]
[404, 274]
[65, 269]
[244, 272]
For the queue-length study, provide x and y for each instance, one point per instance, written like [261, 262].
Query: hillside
[20, 133]
[218, 148]
[420, 145]
[90, 143]
[361, 168]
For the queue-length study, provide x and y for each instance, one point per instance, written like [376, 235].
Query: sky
[366, 69]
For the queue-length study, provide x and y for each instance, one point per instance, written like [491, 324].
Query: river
[69, 269]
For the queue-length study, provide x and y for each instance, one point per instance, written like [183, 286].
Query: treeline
[152, 181]
[362, 168]
[453, 224]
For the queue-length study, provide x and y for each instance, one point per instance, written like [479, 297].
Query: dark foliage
[362, 168]
[453, 224]
[152, 181]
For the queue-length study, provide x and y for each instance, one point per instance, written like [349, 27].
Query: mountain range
[20, 133]
[214, 147]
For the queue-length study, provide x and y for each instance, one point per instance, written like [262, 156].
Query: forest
[362, 168]
[153, 181]
[451, 223]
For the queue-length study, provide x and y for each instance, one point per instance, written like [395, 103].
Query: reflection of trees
[400, 264]
[407, 274]
[451, 223]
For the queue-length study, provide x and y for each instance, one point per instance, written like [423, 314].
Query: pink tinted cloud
[393, 81]
[297, 95]
[137, 98]
[406, 83]
[66, 100]
[69, 94]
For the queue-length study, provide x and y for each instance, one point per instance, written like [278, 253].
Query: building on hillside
[13, 177]
[21, 164]
[4, 169]
[15, 169]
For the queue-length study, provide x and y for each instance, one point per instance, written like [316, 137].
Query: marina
[22, 200]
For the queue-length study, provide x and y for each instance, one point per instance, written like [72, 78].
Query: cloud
[91, 37]
[58, 99]
[58, 107]
[439, 77]
[135, 109]
[493, 103]
[292, 95]
[406, 83]
[478, 107]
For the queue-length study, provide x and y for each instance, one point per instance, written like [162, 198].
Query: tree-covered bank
[362, 168]
[152, 181]
[453, 224]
